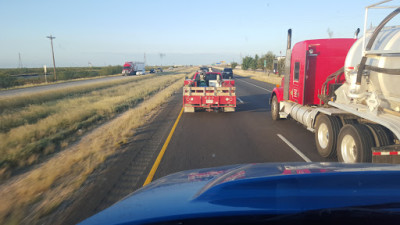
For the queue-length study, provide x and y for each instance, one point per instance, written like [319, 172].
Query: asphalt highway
[249, 135]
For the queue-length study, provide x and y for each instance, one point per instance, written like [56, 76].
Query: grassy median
[261, 76]
[36, 193]
[14, 103]
[36, 125]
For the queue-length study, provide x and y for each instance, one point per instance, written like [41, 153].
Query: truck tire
[326, 134]
[349, 121]
[382, 136]
[354, 144]
[275, 108]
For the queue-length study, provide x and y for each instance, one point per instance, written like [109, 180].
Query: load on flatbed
[346, 92]
[209, 91]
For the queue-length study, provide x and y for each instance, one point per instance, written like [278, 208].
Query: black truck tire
[354, 144]
[326, 134]
[275, 108]
[382, 136]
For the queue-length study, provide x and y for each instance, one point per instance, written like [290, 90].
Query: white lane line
[240, 100]
[294, 148]
[255, 85]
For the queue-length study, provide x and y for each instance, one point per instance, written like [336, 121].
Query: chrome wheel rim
[348, 149]
[323, 135]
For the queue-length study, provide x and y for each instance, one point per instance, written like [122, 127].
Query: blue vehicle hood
[256, 189]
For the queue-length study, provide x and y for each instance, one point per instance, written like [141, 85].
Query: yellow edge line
[161, 154]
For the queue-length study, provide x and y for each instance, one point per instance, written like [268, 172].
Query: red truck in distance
[209, 91]
[133, 68]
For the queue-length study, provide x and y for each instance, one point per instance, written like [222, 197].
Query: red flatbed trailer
[211, 92]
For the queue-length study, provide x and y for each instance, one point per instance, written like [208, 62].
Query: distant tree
[254, 63]
[281, 66]
[233, 65]
[270, 56]
[260, 64]
[247, 62]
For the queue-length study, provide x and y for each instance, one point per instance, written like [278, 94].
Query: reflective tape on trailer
[386, 153]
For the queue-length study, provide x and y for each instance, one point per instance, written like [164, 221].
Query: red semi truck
[209, 91]
[346, 92]
[133, 68]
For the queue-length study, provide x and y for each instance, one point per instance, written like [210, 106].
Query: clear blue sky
[187, 32]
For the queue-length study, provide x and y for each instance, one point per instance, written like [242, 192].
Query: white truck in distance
[133, 68]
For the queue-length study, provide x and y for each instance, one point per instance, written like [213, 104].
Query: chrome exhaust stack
[287, 65]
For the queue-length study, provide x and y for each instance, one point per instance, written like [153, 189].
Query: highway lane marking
[294, 148]
[161, 154]
[240, 100]
[256, 85]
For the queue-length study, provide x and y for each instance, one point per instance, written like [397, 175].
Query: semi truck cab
[312, 61]
[344, 90]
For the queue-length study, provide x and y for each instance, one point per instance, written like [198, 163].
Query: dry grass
[261, 76]
[32, 195]
[54, 123]
[13, 103]
[56, 82]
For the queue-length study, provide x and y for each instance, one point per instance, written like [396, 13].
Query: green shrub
[7, 81]
[110, 70]
[70, 74]
[233, 65]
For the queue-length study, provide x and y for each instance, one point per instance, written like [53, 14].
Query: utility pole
[162, 55]
[20, 61]
[52, 51]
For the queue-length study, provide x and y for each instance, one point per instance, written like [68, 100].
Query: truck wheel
[354, 144]
[275, 108]
[326, 133]
[382, 136]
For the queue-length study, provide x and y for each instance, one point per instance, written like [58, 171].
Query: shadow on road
[258, 103]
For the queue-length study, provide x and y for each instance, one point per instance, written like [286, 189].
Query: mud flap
[386, 154]
[188, 109]
[229, 109]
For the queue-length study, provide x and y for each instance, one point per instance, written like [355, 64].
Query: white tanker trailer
[357, 115]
